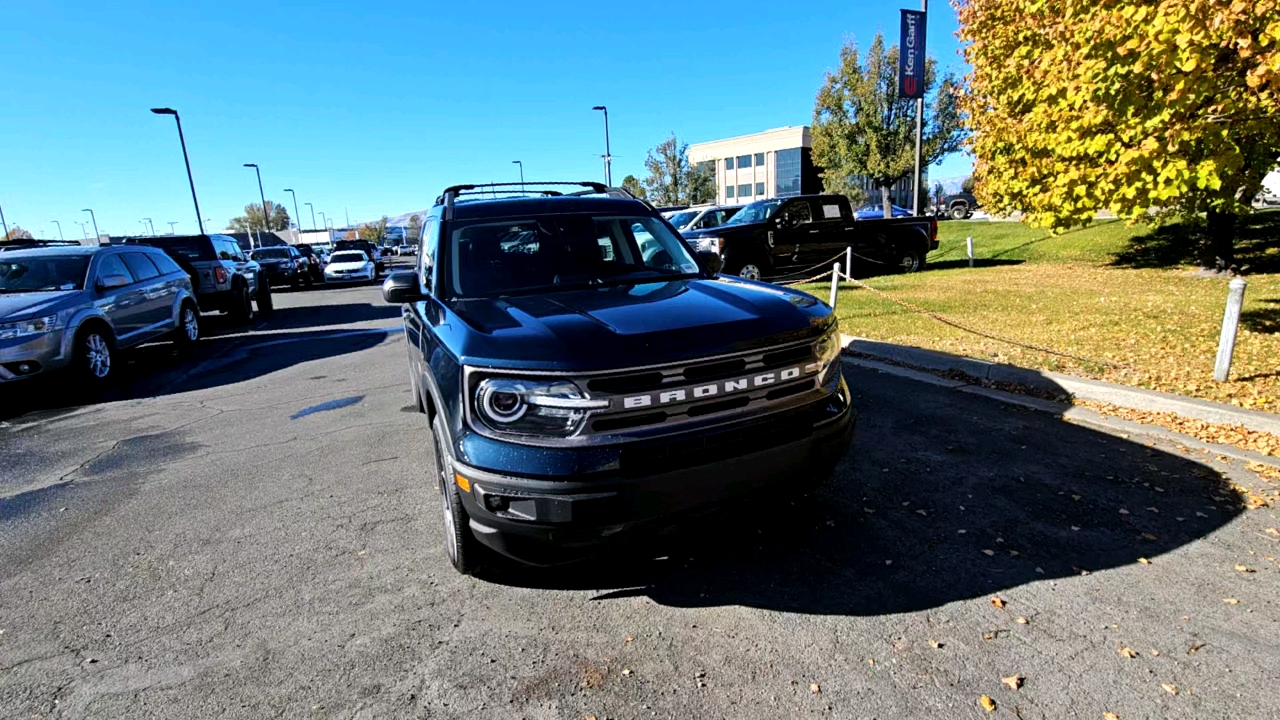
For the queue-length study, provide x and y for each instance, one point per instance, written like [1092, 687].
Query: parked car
[578, 393]
[959, 206]
[283, 265]
[372, 251]
[875, 210]
[406, 249]
[350, 266]
[701, 218]
[76, 307]
[315, 261]
[771, 238]
[225, 278]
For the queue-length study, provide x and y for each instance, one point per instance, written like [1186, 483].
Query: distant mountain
[403, 220]
[950, 185]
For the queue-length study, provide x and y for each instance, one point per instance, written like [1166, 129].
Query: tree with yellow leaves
[1146, 108]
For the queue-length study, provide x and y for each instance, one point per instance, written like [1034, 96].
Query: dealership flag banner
[911, 55]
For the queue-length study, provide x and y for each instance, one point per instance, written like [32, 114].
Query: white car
[349, 266]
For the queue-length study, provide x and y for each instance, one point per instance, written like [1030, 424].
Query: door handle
[812, 231]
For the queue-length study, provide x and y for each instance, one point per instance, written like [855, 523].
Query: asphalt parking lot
[249, 532]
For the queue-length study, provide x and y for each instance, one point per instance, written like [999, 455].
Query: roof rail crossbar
[452, 192]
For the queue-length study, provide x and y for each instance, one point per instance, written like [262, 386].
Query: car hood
[18, 306]
[631, 325]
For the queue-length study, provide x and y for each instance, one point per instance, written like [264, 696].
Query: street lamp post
[266, 221]
[323, 221]
[60, 235]
[171, 224]
[97, 236]
[312, 208]
[84, 229]
[297, 215]
[185, 159]
[608, 156]
[143, 223]
[153, 226]
[521, 164]
[5, 224]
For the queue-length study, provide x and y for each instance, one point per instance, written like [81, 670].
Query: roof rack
[540, 189]
[28, 242]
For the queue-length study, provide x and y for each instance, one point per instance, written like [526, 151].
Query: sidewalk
[1062, 386]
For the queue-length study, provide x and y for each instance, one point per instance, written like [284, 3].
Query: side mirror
[111, 282]
[401, 287]
[712, 260]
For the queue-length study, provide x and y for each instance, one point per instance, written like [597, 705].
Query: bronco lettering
[666, 397]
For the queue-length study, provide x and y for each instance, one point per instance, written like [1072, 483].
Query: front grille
[656, 457]
[626, 383]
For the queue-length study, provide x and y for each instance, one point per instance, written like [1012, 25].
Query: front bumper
[547, 521]
[353, 277]
[41, 353]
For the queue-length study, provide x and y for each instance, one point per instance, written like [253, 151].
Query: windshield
[347, 257]
[43, 274]
[271, 254]
[755, 212]
[680, 219]
[495, 258]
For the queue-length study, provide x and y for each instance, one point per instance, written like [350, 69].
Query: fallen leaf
[1231, 601]
[1144, 561]
[1170, 688]
[988, 553]
[990, 635]
[921, 512]
[867, 510]
[813, 688]
[1021, 621]
[1123, 511]
[1273, 532]
[1244, 569]
[1075, 497]
[1149, 536]
[1013, 681]
[871, 661]
[1013, 553]
[1075, 527]
[1155, 653]
[998, 602]
[960, 532]
[591, 717]
[628, 639]
[1194, 648]
[1126, 652]
[626, 672]
[935, 644]
[987, 703]
[1110, 716]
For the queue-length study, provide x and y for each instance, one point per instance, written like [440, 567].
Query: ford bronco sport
[585, 374]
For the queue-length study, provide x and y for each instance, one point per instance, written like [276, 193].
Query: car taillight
[933, 229]
[220, 274]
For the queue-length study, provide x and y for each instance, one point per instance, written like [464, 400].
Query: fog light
[495, 503]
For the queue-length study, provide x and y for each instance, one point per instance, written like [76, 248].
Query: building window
[759, 189]
[788, 173]
[728, 191]
[728, 163]
[744, 191]
[744, 161]
[759, 162]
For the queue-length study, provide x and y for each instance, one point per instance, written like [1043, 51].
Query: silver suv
[75, 307]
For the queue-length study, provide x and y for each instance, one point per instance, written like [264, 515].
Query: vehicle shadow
[312, 316]
[991, 497]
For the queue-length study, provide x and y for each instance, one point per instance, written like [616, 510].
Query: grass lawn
[1112, 294]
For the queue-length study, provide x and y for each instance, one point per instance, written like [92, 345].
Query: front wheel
[265, 302]
[749, 269]
[241, 308]
[187, 334]
[959, 212]
[462, 547]
[94, 353]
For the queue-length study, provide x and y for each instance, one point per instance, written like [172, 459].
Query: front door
[124, 306]
[795, 235]
[156, 307]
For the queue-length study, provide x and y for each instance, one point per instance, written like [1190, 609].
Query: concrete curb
[1077, 387]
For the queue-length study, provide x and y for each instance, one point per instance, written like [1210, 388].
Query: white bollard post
[835, 283]
[848, 260]
[1230, 322]
[969, 242]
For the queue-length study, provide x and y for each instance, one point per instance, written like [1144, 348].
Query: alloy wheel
[98, 354]
[190, 324]
[750, 271]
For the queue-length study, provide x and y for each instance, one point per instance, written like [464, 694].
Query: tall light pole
[608, 156]
[143, 223]
[5, 224]
[97, 236]
[266, 221]
[185, 159]
[521, 164]
[324, 222]
[313, 215]
[171, 224]
[153, 226]
[84, 228]
[60, 235]
[297, 215]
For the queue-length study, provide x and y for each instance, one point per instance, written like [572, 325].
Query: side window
[113, 265]
[141, 266]
[221, 249]
[796, 213]
[165, 264]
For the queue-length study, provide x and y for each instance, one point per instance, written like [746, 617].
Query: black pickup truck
[586, 375]
[772, 238]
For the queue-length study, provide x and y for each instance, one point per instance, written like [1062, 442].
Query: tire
[464, 551]
[187, 334]
[910, 260]
[94, 357]
[266, 304]
[240, 306]
[959, 212]
[748, 268]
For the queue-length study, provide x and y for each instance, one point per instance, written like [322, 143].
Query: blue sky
[372, 108]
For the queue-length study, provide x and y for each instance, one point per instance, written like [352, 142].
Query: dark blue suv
[585, 374]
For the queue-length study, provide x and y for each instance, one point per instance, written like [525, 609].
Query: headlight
[828, 348]
[553, 408]
[23, 328]
[713, 244]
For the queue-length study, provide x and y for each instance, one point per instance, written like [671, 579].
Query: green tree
[863, 129]
[413, 231]
[252, 218]
[376, 232]
[632, 185]
[17, 233]
[1148, 109]
[672, 180]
